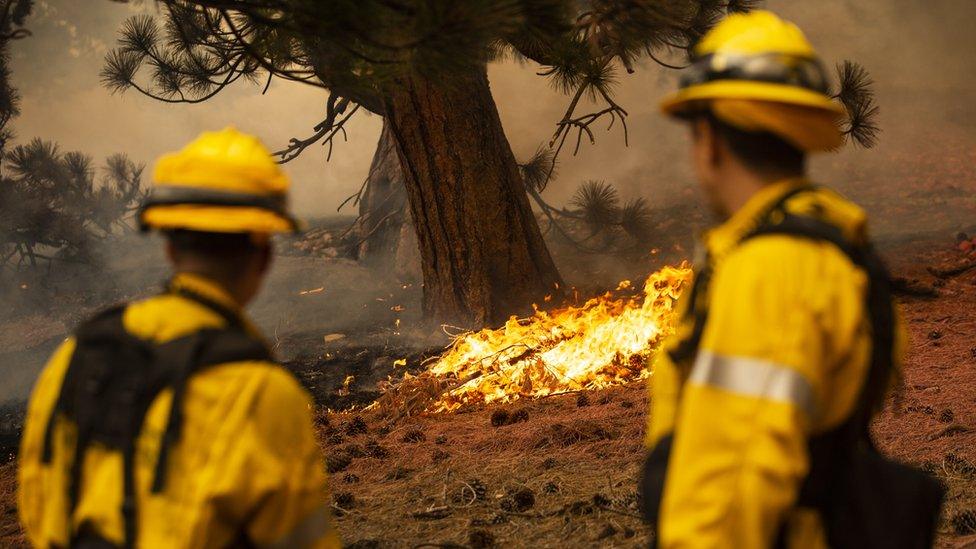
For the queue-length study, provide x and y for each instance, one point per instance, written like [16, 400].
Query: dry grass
[564, 476]
[11, 535]
[556, 474]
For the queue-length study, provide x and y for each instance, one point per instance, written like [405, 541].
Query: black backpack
[865, 500]
[112, 379]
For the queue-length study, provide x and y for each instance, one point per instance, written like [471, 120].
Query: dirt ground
[565, 475]
[561, 471]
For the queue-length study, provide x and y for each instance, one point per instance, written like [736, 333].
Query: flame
[606, 341]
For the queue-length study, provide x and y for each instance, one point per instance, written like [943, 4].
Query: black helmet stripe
[777, 68]
[172, 195]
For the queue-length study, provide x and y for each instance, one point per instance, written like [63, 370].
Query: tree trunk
[382, 207]
[483, 256]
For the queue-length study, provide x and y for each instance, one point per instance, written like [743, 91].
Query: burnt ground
[564, 474]
[561, 471]
[558, 471]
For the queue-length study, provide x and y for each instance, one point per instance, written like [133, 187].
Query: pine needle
[857, 94]
[539, 170]
[598, 204]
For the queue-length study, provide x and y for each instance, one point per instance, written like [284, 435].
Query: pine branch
[636, 218]
[597, 202]
[856, 93]
[324, 132]
[539, 170]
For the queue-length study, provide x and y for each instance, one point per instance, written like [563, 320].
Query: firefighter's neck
[240, 278]
[241, 287]
[737, 184]
[236, 288]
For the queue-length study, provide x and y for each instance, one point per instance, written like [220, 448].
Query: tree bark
[383, 205]
[482, 253]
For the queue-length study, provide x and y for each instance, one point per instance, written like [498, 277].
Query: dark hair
[219, 246]
[762, 152]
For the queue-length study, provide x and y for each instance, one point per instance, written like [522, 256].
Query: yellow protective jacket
[783, 356]
[247, 461]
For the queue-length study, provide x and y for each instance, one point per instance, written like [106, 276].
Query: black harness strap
[114, 377]
[231, 317]
[183, 354]
[210, 347]
[697, 309]
[829, 451]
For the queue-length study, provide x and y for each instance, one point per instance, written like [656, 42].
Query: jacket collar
[721, 239]
[206, 288]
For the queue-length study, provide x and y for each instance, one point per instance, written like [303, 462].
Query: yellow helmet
[756, 62]
[223, 182]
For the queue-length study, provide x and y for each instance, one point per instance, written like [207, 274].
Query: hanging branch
[565, 127]
[607, 33]
[325, 131]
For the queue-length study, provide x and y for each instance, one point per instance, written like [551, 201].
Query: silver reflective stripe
[312, 528]
[755, 378]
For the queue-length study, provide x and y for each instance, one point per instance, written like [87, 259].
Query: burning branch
[605, 341]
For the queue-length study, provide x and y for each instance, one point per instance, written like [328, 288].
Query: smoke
[303, 299]
[919, 54]
[57, 72]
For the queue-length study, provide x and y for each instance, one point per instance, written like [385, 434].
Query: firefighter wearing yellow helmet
[787, 338]
[165, 422]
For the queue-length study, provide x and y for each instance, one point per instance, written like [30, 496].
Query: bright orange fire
[604, 342]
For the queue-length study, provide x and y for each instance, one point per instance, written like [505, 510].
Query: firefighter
[787, 339]
[165, 422]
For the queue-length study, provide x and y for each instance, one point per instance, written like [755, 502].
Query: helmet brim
[218, 219]
[685, 100]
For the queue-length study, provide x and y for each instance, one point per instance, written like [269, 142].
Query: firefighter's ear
[267, 255]
[705, 156]
[170, 252]
[711, 143]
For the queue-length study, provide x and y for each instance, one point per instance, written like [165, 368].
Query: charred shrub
[345, 500]
[337, 461]
[354, 450]
[946, 416]
[518, 500]
[335, 438]
[469, 492]
[504, 417]
[480, 539]
[376, 450]
[357, 426]
[414, 435]
[964, 522]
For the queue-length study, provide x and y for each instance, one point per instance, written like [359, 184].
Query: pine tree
[421, 65]
[52, 205]
[13, 15]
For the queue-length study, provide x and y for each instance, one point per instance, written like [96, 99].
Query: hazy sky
[906, 48]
